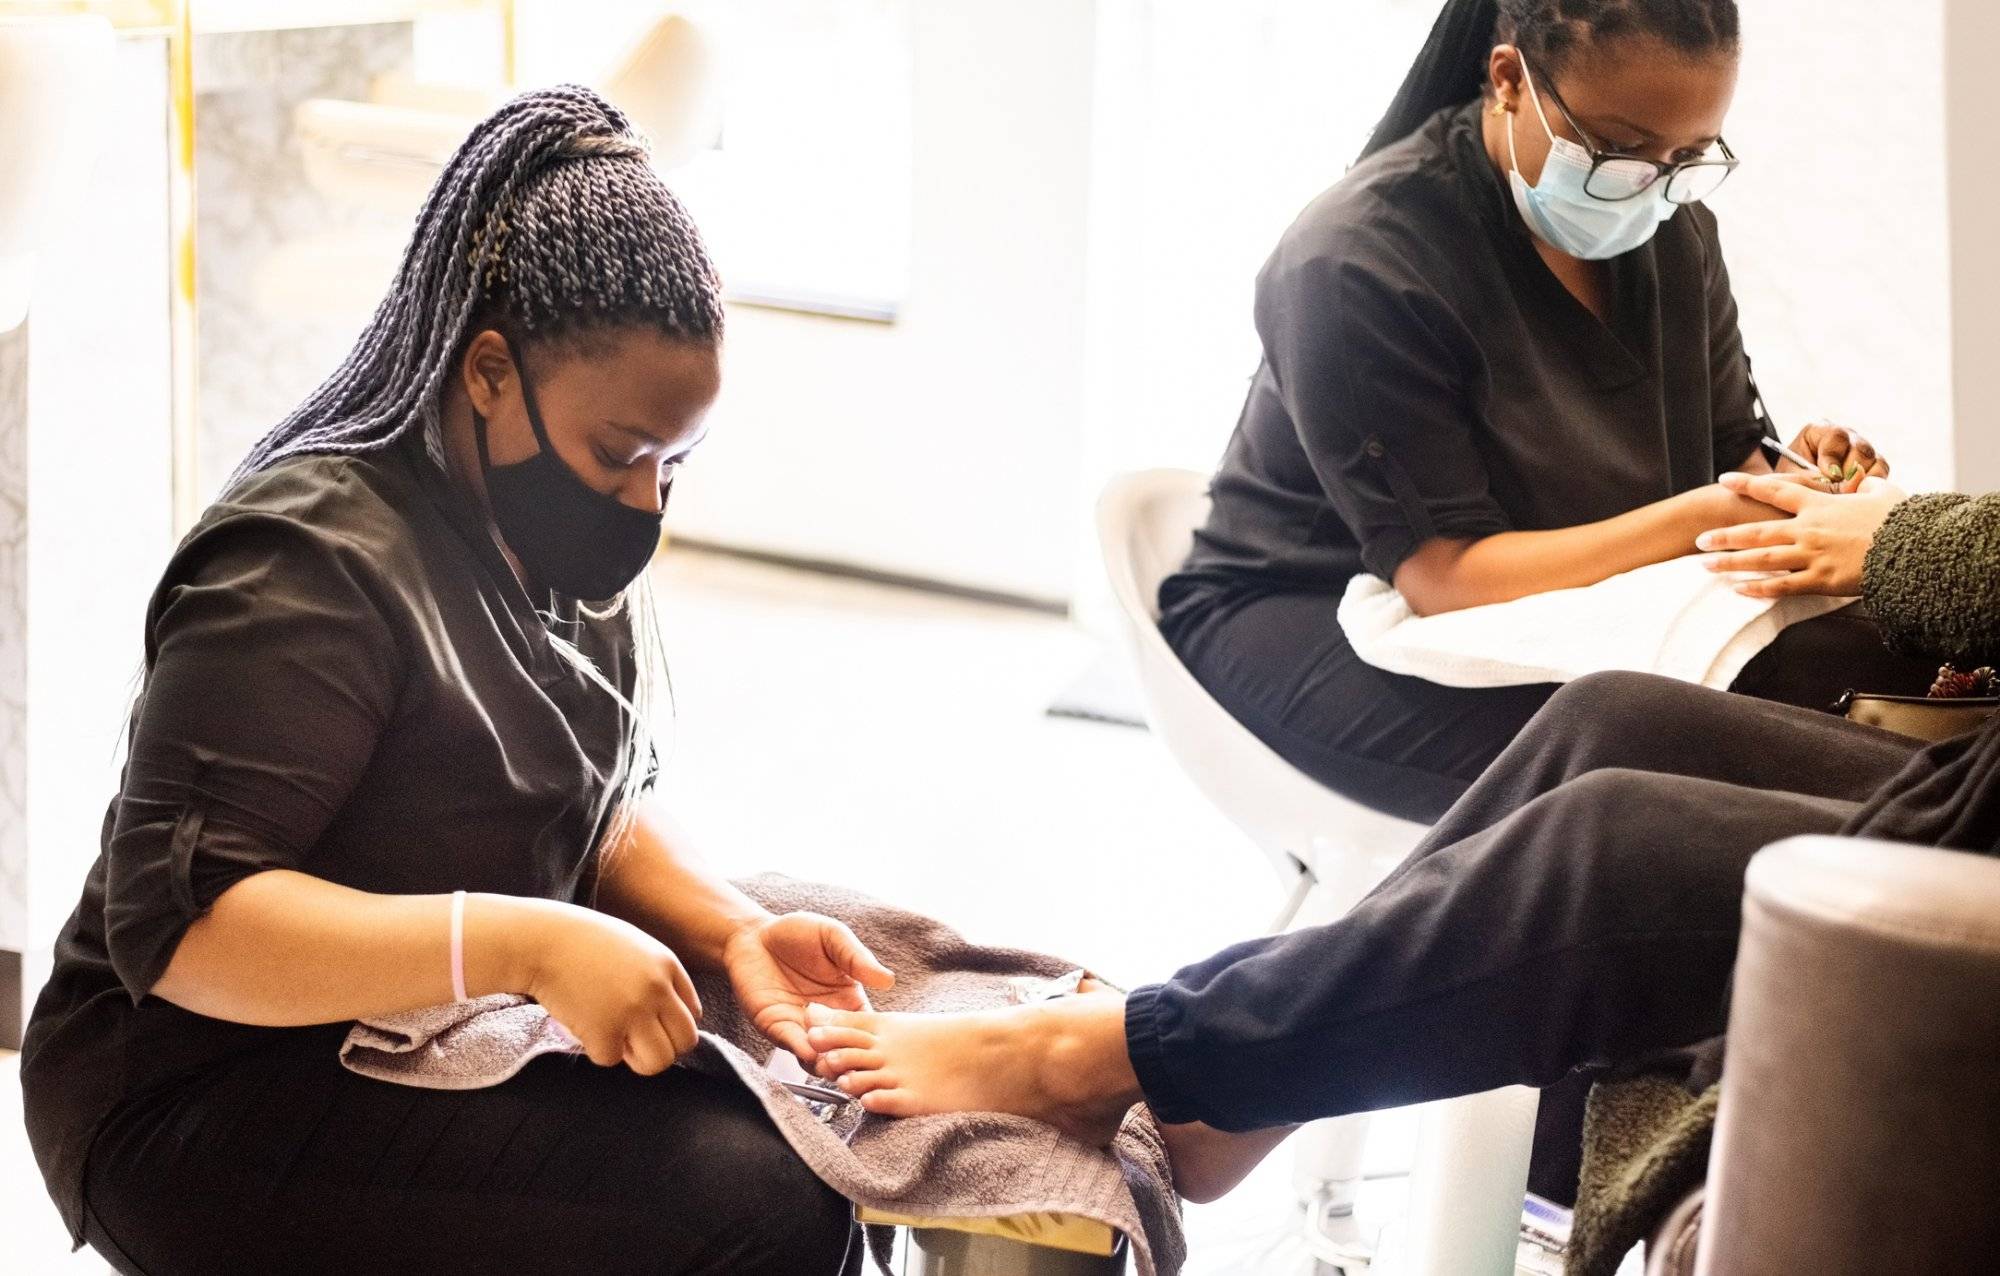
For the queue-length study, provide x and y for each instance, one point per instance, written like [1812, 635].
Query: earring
[1499, 108]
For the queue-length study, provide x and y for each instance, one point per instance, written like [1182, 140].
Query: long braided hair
[1451, 68]
[549, 220]
[548, 214]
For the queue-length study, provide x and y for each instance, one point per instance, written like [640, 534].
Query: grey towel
[464, 1045]
[967, 1165]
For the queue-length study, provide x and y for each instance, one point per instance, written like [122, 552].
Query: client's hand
[1844, 458]
[1819, 550]
[780, 965]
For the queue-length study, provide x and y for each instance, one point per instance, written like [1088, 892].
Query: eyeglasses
[1614, 178]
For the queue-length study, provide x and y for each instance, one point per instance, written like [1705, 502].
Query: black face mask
[568, 535]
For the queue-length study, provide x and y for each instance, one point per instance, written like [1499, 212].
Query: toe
[865, 1081]
[820, 1016]
[841, 1062]
[889, 1103]
[839, 1038]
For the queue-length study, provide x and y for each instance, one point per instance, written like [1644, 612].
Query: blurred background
[980, 257]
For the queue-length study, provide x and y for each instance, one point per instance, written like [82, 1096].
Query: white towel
[1676, 618]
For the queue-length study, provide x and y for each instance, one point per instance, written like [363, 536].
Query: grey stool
[938, 1252]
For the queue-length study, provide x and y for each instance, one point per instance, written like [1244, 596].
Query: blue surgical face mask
[1566, 217]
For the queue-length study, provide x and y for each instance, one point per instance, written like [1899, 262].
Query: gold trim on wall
[180, 21]
[161, 17]
[510, 45]
[185, 429]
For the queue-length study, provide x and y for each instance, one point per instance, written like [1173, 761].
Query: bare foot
[1060, 1061]
[1209, 1163]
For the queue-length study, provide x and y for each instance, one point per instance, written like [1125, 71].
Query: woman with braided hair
[391, 751]
[1501, 357]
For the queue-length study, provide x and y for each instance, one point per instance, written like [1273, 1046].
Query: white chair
[1471, 1172]
[1313, 836]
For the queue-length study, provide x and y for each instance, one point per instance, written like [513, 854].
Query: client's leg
[1813, 662]
[1596, 924]
[1648, 723]
[1641, 722]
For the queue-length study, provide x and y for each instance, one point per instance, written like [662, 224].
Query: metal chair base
[939, 1252]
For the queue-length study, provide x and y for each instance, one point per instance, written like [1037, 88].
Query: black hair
[550, 220]
[1451, 68]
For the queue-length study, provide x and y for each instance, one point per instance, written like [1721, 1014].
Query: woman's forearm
[1450, 575]
[655, 880]
[283, 949]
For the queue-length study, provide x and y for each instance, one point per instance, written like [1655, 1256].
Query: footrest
[1069, 1232]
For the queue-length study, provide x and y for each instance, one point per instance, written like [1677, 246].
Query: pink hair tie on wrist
[458, 946]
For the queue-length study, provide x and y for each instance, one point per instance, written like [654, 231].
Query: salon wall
[1837, 229]
[1095, 185]
[288, 273]
[1972, 48]
[944, 444]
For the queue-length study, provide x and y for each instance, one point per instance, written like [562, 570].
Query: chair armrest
[1860, 1119]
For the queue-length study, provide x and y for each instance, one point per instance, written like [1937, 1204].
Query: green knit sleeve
[1932, 577]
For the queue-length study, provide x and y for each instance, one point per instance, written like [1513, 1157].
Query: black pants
[1281, 665]
[1578, 907]
[286, 1162]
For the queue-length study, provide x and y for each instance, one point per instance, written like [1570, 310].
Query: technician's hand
[1820, 549]
[1844, 458]
[780, 965]
[621, 993]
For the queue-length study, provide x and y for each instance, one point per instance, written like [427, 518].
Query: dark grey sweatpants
[1282, 667]
[1578, 906]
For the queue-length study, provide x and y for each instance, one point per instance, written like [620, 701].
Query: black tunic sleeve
[1732, 410]
[271, 672]
[1367, 368]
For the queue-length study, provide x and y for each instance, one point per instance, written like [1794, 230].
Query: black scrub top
[1426, 375]
[343, 677]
